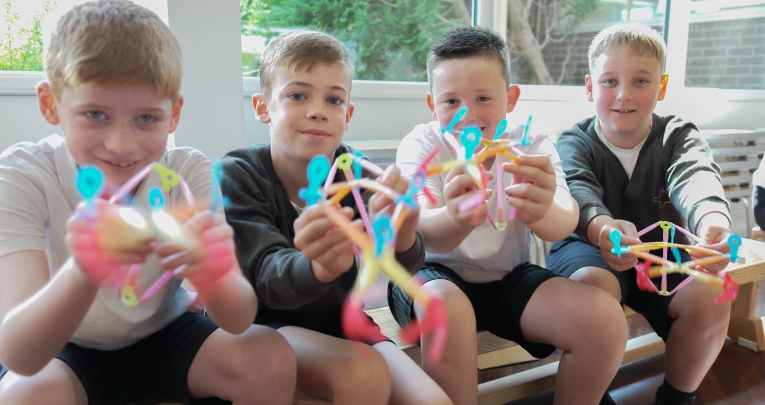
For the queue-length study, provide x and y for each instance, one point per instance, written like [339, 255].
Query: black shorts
[571, 254]
[498, 305]
[325, 322]
[154, 370]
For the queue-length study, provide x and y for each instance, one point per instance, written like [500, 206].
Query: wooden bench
[494, 351]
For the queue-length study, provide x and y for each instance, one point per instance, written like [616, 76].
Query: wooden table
[745, 328]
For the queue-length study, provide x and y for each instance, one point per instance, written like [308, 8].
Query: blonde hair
[639, 38]
[300, 50]
[113, 42]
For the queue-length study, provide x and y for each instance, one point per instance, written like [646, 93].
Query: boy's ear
[47, 103]
[588, 86]
[261, 108]
[431, 104]
[663, 86]
[349, 114]
[175, 116]
[513, 94]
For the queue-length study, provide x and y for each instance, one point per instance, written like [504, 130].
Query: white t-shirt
[486, 254]
[627, 157]
[37, 185]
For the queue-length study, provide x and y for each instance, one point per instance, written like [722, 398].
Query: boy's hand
[629, 237]
[323, 243]
[379, 202]
[533, 188]
[100, 240]
[460, 186]
[208, 259]
[714, 229]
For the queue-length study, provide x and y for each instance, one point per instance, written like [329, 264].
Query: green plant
[388, 39]
[22, 48]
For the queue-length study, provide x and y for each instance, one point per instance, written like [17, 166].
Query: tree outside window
[387, 39]
[21, 42]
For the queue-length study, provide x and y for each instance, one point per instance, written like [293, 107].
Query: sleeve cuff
[413, 258]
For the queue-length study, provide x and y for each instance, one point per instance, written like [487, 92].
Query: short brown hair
[465, 42]
[640, 38]
[301, 50]
[113, 42]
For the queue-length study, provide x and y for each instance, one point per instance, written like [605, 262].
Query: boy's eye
[335, 100]
[96, 115]
[641, 81]
[483, 98]
[451, 101]
[297, 96]
[609, 81]
[146, 118]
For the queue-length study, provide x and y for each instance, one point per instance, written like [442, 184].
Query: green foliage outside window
[388, 39]
[21, 48]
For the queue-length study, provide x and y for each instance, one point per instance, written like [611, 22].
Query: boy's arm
[758, 202]
[39, 315]
[280, 274]
[579, 169]
[543, 205]
[693, 180]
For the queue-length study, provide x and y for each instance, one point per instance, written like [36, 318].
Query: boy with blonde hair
[114, 73]
[483, 274]
[629, 168]
[300, 265]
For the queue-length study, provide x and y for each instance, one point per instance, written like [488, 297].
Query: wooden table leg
[743, 324]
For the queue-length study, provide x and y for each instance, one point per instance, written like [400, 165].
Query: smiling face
[625, 87]
[308, 112]
[119, 129]
[476, 82]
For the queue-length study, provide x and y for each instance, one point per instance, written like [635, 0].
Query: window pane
[21, 34]
[387, 39]
[549, 39]
[726, 44]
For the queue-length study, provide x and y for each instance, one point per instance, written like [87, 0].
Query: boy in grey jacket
[628, 168]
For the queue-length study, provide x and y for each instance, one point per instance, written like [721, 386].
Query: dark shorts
[154, 370]
[498, 305]
[571, 254]
[327, 322]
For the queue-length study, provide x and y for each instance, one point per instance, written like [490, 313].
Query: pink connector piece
[436, 322]
[357, 325]
[730, 290]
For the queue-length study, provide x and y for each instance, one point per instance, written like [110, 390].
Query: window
[21, 34]
[726, 44]
[387, 39]
[549, 39]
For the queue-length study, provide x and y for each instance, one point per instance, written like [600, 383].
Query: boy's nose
[317, 112]
[624, 93]
[121, 141]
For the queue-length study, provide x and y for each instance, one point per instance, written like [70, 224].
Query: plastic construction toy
[375, 246]
[135, 227]
[470, 140]
[645, 271]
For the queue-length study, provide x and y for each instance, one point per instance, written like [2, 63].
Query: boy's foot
[658, 400]
[606, 400]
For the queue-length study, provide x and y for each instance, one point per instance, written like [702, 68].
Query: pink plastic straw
[132, 183]
[161, 281]
[329, 180]
[648, 229]
[359, 203]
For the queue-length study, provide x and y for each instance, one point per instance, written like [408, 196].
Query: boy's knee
[31, 390]
[365, 374]
[697, 305]
[274, 355]
[603, 321]
[453, 297]
[600, 278]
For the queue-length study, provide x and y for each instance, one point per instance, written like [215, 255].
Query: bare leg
[409, 383]
[697, 335]
[457, 372]
[589, 326]
[338, 370]
[256, 367]
[56, 383]
[601, 278]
